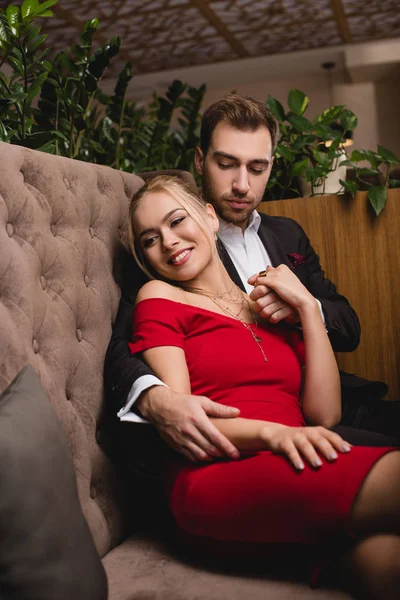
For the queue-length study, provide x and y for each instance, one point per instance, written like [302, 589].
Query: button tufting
[93, 492]
[43, 282]
[67, 183]
[53, 230]
[98, 436]
[79, 335]
[91, 231]
[68, 396]
[35, 346]
[87, 280]
[10, 229]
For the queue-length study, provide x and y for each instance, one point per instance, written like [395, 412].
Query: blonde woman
[296, 481]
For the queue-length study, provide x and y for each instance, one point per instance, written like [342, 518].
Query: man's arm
[121, 370]
[340, 319]
[182, 420]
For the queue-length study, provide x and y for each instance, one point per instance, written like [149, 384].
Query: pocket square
[296, 260]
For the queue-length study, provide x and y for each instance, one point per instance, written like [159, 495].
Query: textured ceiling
[167, 34]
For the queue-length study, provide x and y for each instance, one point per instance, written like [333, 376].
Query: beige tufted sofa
[61, 224]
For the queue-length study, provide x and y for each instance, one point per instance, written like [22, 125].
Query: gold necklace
[216, 298]
[220, 295]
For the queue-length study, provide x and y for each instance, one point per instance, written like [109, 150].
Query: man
[238, 138]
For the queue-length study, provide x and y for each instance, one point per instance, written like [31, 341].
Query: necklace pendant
[258, 339]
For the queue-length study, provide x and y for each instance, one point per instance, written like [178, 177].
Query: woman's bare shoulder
[159, 289]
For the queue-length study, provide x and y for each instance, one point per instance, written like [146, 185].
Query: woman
[296, 482]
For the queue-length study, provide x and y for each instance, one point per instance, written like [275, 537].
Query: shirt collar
[227, 228]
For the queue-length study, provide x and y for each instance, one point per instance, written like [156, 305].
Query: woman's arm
[249, 435]
[321, 398]
[321, 401]
[169, 364]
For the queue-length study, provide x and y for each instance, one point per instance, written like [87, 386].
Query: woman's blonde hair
[194, 205]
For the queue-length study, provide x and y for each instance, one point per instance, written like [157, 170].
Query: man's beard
[222, 209]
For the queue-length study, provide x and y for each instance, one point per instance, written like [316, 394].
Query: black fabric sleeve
[341, 320]
[121, 369]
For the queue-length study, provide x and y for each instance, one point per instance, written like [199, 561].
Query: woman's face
[170, 239]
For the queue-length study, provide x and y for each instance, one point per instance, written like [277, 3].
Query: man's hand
[182, 422]
[268, 304]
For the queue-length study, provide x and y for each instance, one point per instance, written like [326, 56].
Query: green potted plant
[312, 156]
[46, 102]
[21, 47]
[56, 104]
[372, 173]
[308, 151]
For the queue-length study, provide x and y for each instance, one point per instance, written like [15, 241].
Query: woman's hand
[298, 443]
[287, 285]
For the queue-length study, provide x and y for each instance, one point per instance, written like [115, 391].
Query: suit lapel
[270, 242]
[272, 245]
[229, 265]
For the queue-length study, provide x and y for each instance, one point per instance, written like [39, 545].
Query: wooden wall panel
[360, 253]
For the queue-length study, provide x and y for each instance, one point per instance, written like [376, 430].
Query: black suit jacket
[281, 236]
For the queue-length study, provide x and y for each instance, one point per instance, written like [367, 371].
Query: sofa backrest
[61, 226]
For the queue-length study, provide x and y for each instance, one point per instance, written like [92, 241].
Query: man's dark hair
[242, 112]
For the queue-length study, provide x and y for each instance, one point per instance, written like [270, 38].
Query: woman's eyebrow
[165, 218]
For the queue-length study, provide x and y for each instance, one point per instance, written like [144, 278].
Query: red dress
[260, 497]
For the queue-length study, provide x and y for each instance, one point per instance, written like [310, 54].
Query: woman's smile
[180, 257]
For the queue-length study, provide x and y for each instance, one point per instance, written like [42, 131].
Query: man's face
[235, 171]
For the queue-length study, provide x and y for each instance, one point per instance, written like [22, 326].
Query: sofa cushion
[149, 568]
[46, 548]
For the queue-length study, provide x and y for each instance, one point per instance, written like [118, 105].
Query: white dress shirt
[245, 249]
[249, 257]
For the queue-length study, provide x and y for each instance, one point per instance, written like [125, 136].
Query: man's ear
[199, 160]
[213, 217]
